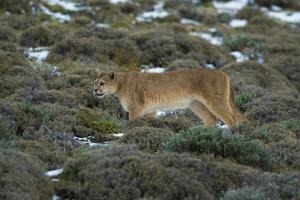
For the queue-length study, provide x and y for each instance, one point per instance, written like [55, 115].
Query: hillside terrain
[58, 141]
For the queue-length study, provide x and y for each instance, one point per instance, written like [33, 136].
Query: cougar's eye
[101, 83]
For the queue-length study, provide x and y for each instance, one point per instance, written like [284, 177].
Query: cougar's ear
[111, 75]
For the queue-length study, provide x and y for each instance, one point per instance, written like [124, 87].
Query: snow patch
[87, 140]
[157, 12]
[210, 66]
[117, 1]
[153, 69]
[102, 25]
[66, 5]
[53, 173]
[239, 57]
[215, 40]
[55, 197]
[222, 126]
[188, 21]
[39, 53]
[236, 23]
[118, 135]
[286, 16]
[230, 7]
[58, 16]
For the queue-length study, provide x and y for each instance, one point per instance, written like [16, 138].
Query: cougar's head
[105, 84]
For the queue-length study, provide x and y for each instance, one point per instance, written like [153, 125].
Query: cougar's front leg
[135, 112]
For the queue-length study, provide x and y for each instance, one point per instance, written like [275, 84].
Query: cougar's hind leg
[220, 109]
[204, 113]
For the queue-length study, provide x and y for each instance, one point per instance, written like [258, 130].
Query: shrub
[183, 64]
[4, 134]
[49, 154]
[130, 174]
[146, 138]
[260, 79]
[275, 132]
[82, 20]
[172, 124]
[97, 46]
[273, 108]
[40, 36]
[202, 140]
[249, 13]
[22, 177]
[23, 116]
[244, 97]
[15, 6]
[240, 41]
[7, 34]
[292, 4]
[248, 193]
[161, 48]
[11, 58]
[101, 126]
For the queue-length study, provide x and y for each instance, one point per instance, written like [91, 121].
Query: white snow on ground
[53, 173]
[58, 16]
[38, 53]
[55, 197]
[161, 113]
[230, 7]
[215, 40]
[153, 70]
[239, 57]
[102, 25]
[117, 1]
[118, 134]
[236, 23]
[87, 140]
[157, 12]
[222, 126]
[66, 5]
[286, 16]
[210, 66]
[188, 21]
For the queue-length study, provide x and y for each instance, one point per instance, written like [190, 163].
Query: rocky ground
[57, 141]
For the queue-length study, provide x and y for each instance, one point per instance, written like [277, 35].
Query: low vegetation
[47, 106]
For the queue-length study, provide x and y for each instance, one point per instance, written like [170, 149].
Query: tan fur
[208, 93]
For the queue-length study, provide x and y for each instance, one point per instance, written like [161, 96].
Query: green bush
[101, 126]
[238, 147]
[243, 98]
[146, 138]
[240, 41]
